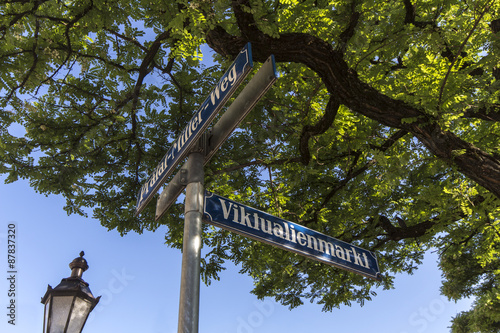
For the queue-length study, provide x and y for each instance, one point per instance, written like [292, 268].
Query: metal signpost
[189, 300]
[222, 212]
[293, 237]
[196, 126]
[191, 177]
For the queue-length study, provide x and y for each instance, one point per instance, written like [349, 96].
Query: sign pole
[189, 302]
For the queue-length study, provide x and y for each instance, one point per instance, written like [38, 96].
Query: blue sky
[138, 277]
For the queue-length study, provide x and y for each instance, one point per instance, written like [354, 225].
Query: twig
[441, 89]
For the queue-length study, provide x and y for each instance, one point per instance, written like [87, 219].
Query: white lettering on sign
[222, 86]
[196, 126]
[286, 231]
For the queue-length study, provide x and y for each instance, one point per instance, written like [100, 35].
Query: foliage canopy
[383, 129]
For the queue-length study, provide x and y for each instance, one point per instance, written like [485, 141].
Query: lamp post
[68, 305]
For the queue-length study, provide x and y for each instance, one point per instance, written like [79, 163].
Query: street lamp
[68, 305]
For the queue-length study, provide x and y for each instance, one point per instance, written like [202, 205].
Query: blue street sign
[196, 126]
[290, 236]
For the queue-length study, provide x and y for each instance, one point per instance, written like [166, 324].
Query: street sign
[196, 126]
[258, 86]
[293, 237]
[260, 83]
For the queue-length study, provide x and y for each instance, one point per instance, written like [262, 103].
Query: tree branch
[349, 31]
[404, 231]
[410, 15]
[354, 173]
[348, 89]
[143, 71]
[19, 16]
[33, 65]
[491, 114]
[319, 128]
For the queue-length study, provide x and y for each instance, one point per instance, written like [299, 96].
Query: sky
[138, 277]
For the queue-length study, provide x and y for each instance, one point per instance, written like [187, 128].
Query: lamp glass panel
[61, 306]
[46, 316]
[79, 315]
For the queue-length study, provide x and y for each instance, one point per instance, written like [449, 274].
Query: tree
[383, 129]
